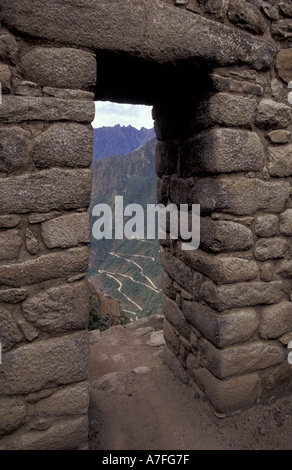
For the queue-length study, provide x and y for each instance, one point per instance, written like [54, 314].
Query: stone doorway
[218, 77]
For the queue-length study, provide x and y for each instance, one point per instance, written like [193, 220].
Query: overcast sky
[110, 114]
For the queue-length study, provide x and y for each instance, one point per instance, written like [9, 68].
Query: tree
[95, 320]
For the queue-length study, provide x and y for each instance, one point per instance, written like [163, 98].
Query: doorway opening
[143, 95]
[124, 271]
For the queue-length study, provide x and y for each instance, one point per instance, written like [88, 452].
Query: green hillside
[129, 270]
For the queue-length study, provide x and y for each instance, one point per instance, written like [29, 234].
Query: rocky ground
[137, 403]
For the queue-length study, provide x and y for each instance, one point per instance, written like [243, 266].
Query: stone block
[171, 337]
[65, 145]
[241, 359]
[284, 64]
[177, 270]
[68, 94]
[266, 225]
[181, 2]
[267, 270]
[276, 320]
[45, 267]
[46, 191]
[10, 244]
[247, 221]
[9, 220]
[271, 248]
[168, 285]
[197, 282]
[192, 362]
[41, 217]
[240, 196]
[12, 414]
[59, 67]
[179, 190]
[13, 296]
[66, 231]
[273, 115]
[8, 47]
[280, 136]
[278, 89]
[175, 317]
[9, 333]
[67, 434]
[242, 294]
[246, 16]
[286, 9]
[284, 268]
[68, 401]
[224, 236]
[228, 85]
[27, 88]
[31, 242]
[5, 78]
[282, 30]
[276, 376]
[120, 29]
[229, 395]
[236, 326]
[192, 5]
[194, 342]
[286, 223]
[59, 309]
[270, 11]
[16, 109]
[213, 7]
[173, 363]
[222, 270]
[28, 331]
[286, 338]
[14, 150]
[222, 151]
[227, 110]
[280, 160]
[45, 364]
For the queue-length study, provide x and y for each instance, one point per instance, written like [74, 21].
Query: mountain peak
[119, 140]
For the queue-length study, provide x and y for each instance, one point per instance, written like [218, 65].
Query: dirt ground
[137, 403]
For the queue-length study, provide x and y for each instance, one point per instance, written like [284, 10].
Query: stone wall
[46, 150]
[223, 123]
[228, 304]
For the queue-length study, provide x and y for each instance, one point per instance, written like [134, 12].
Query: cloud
[110, 114]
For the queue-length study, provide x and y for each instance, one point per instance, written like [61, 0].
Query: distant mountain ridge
[119, 140]
[116, 174]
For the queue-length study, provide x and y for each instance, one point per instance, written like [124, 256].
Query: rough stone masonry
[217, 74]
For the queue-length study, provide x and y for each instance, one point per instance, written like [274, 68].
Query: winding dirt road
[141, 270]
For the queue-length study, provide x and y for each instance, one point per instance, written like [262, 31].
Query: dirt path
[120, 288]
[137, 403]
[154, 287]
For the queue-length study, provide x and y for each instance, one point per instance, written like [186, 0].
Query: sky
[110, 114]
